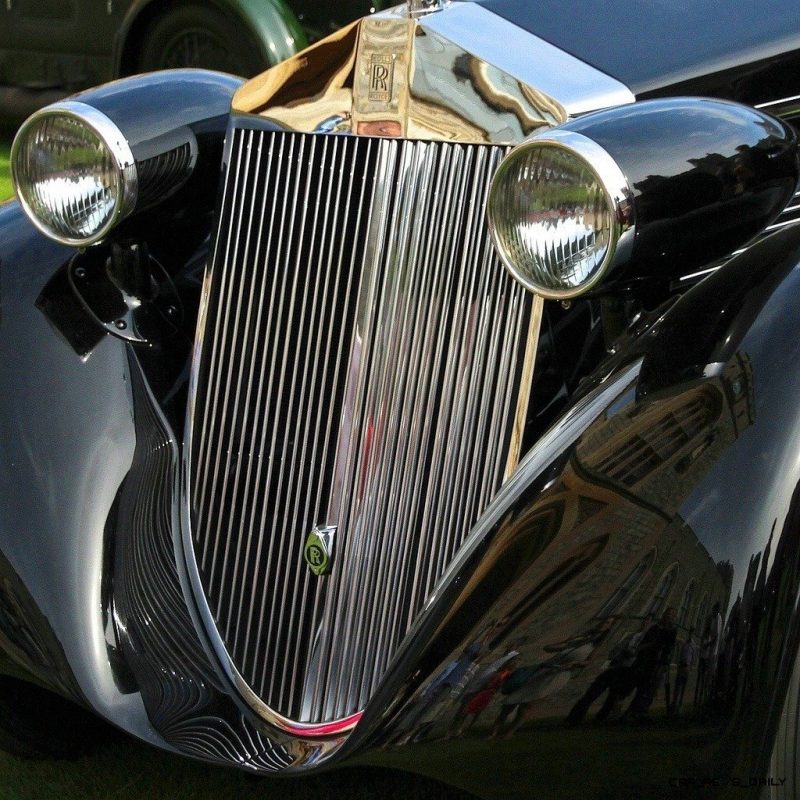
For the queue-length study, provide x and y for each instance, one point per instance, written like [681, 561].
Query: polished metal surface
[117, 146]
[785, 107]
[173, 673]
[419, 8]
[636, 579]
[360, 367]
[577, 86]
[389, 75]
[618, 196]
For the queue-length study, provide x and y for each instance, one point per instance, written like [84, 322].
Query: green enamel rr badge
[319, 550]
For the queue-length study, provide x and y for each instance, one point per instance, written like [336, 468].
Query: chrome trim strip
[553, 444]
[578, 86]
[776, 226]
[785, 103]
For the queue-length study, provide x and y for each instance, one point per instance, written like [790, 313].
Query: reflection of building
[612, 553]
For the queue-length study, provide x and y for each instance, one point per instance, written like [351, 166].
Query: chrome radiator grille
[359, 367]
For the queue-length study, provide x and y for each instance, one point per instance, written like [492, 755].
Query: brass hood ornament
[418, 8]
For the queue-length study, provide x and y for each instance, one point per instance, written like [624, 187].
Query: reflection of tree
[710, 179]
[760, 643]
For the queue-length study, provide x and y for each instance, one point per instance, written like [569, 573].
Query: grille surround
[325, 650]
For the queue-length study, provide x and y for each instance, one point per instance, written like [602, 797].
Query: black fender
[67, 436]
[93, 582]
[674, 481]
[91, 599]
[92, 604]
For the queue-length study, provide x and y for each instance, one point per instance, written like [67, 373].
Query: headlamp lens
[75, 178]
[553, 219]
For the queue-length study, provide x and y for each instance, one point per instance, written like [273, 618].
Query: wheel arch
[271, 22]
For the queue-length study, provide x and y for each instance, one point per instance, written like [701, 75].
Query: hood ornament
[418, 8]
[318, 551]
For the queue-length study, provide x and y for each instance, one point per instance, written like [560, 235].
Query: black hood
[652, 44]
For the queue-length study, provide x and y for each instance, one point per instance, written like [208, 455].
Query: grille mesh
[359, 367]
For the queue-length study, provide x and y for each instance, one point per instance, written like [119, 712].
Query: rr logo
[315, 556]
[381, 75]
[318, 551]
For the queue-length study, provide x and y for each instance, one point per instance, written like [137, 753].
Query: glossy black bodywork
[674, 466]
[706, 177]
[130, 651]
[153, 295]
[92, 605]
[154, 110]
[71, 416]
[650, 45]
[631, 485]
[74, 409]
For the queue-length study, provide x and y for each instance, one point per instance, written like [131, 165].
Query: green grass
[586, 763]
[5, 177]
[128, 770]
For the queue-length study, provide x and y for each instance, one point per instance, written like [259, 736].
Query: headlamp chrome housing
[560, 209]
[74, 173]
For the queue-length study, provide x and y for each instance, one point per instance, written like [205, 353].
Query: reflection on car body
[450, 427]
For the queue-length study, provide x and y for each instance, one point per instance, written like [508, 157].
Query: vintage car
[431, 400]
[50, 48]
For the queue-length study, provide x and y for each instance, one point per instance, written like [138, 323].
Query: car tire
[37, 724]
[193, 35]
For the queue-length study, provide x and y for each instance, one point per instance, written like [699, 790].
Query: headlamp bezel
[611, 180]
[118, 148]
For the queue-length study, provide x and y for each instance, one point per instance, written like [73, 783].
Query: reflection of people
[651, 663]
[414, 722]
[617, 680]
[510, 701]
[638, 662]
[418, 720]
[686, 660]
[708, 655]
[527, 685]
[490, 682]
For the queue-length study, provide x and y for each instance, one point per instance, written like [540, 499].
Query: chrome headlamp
[82, 166]
[74, 172]
[558, 210]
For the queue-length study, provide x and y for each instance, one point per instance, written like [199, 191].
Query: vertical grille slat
[360, 365]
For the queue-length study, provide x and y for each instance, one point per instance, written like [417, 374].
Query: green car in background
[50, 48]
